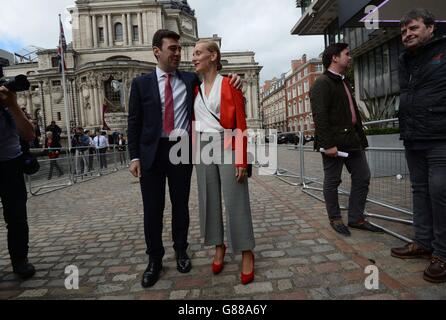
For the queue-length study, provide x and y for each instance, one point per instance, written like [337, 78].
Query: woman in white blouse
[219, 106]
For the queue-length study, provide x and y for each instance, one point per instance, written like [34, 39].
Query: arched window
[118, 32]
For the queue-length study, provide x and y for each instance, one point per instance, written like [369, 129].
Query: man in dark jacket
[55, 129]
[422, 118]
[339, 128]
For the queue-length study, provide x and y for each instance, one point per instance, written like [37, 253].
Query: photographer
[13, 194]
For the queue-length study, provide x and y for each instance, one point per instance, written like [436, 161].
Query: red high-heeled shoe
[248, 278]
[217, 268]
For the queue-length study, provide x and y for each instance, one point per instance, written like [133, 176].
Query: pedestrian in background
[53, 147]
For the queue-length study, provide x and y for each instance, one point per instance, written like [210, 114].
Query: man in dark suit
[160, 105]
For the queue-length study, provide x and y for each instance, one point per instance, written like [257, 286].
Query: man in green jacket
[339, 129]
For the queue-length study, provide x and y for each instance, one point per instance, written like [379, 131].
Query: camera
[16, 84]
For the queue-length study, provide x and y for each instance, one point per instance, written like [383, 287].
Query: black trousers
[428, 178]
[14, 196]
[103, 158]
[54, 164]
[91, 155]
[359, 170]
[153, 188]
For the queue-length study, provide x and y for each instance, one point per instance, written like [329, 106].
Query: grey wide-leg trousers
[217, 182]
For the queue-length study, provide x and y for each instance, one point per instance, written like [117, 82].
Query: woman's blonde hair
[212, 47]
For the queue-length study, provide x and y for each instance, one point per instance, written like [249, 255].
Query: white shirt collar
[161, 74]
[335, 73]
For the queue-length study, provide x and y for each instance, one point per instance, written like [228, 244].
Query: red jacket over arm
[232, 116]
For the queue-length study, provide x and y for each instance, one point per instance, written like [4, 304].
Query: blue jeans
[428, 178]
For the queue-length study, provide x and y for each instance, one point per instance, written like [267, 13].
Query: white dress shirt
[179, 92]
[100, 142]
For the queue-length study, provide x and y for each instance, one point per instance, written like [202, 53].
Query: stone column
[82, 109]
[97, 106]
[91, 113]
[100, 100]
[130, 28]
[247, 94]
[125, 91]
[110, 30]
[105, 26]
[145, 28]
[29, 104]
[124, 29]
[89, 32]
[257, 100]
[95, 32]
[140, 28]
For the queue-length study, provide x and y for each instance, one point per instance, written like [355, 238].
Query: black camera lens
[18, 84]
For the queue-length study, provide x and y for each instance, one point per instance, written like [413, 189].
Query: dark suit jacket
[145, 121]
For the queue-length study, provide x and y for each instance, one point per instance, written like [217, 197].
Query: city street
[97, 226]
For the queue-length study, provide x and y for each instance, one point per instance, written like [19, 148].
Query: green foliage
[378, 109]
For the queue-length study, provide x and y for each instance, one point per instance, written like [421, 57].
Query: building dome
[178, 4]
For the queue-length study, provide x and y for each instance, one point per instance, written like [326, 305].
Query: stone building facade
[273, 104]
[112, 44]
[285, 101]
[297, 85]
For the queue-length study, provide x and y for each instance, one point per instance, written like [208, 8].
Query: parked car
[288, 137]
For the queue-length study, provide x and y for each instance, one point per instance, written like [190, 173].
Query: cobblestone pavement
[97, 226]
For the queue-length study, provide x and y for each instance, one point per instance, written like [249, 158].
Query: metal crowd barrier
[300, 166]
[79, 165]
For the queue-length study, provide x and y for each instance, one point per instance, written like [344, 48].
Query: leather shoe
[411, 251]
[151, 275]
[184, 264]
[23, 269]
[340, 227]
[365, 225]
[436, 271]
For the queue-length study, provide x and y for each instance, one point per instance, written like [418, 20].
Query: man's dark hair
[334, 49]
[162, 34]
[418, 13]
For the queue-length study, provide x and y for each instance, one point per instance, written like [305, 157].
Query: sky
[262, 26]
